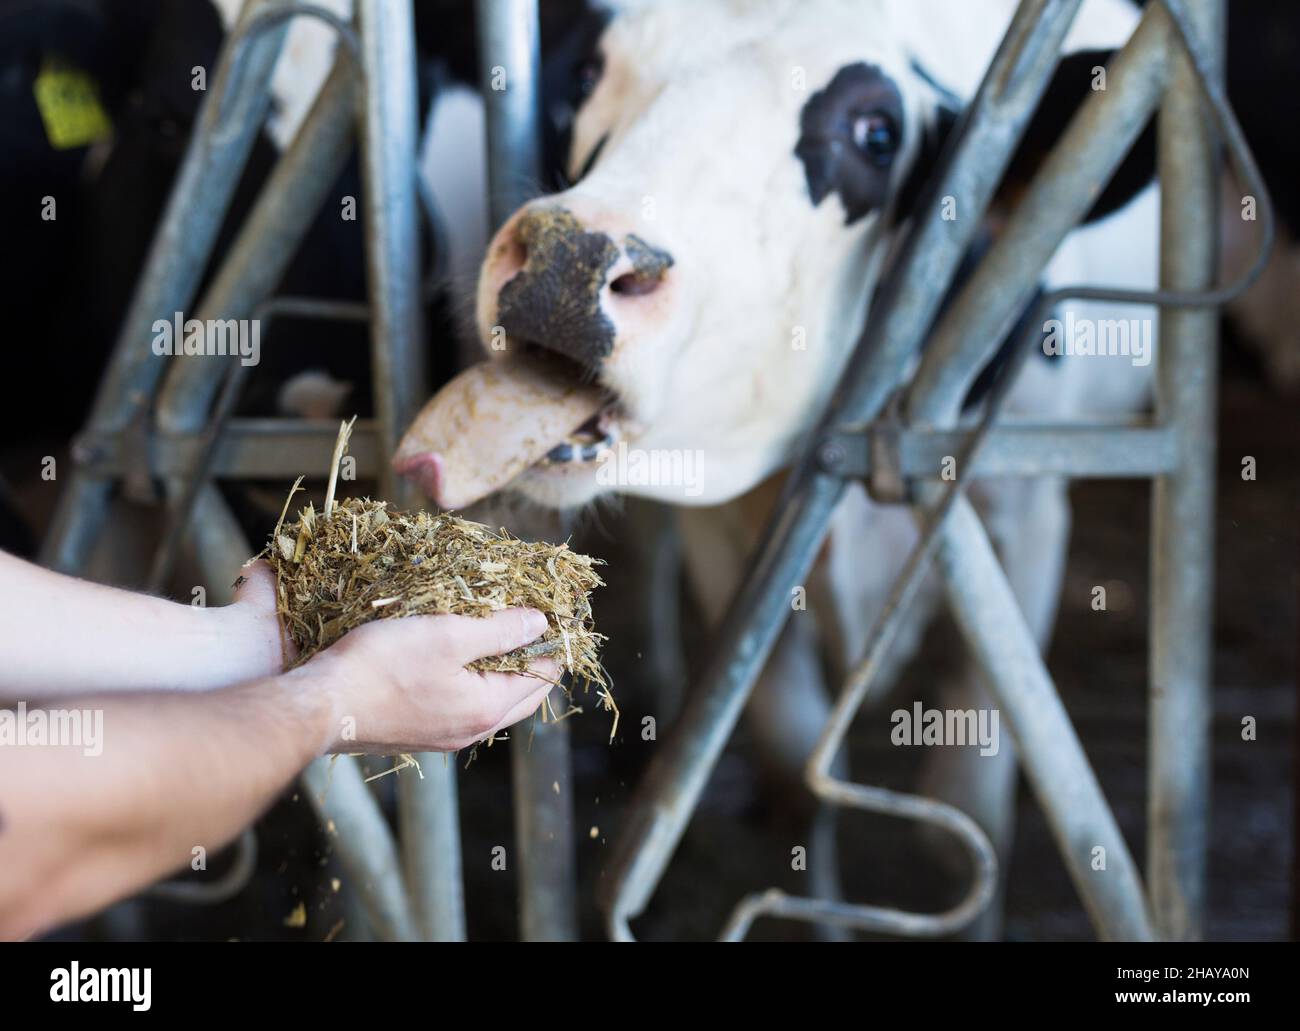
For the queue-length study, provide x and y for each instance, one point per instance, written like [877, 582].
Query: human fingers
[478, 637]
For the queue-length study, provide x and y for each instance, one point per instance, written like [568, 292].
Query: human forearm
[175, 773]
[66, 636]
[172, 771]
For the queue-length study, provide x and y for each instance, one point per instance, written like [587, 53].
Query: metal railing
[1170, 63]
[151, 415]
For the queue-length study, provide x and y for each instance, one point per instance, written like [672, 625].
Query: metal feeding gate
[1171, 64]
[170, 422]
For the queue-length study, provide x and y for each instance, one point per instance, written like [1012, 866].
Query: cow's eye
[876, 136]
[587, 76]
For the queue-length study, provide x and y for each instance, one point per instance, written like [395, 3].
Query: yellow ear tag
[69, 104]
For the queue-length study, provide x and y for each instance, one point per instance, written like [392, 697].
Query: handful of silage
[362, 562]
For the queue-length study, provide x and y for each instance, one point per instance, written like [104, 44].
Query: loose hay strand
[340, 449]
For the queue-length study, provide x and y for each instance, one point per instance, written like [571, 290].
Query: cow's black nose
[556, 299]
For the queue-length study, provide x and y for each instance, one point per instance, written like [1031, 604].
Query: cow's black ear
[1075, 79]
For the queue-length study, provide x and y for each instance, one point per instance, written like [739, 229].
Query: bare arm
[177, 771]
[68, 636]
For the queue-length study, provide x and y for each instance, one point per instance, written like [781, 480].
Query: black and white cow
[741, 169]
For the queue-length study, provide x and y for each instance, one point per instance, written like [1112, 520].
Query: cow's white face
[708, 273]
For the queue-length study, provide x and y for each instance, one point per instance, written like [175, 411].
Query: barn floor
[738, 841]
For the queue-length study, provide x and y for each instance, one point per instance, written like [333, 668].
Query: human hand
[252, 622]
[400, 685]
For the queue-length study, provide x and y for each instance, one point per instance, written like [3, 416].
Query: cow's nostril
[649, 266]
[511, 255]
[634, 284]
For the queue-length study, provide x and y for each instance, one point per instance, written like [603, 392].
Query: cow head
[739, 171]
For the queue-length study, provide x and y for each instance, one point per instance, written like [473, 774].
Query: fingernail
[535, 623]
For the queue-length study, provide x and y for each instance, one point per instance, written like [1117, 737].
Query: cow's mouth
[500, 418]
[587, 443]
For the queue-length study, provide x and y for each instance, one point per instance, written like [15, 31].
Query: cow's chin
[559, 486]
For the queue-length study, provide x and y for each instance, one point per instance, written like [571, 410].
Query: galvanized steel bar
[1065, 188]
[864, 798]
[1107, 451]
[970, 169]
[264, 448]
[269, 239]
[509, 44]
[364, 844]
[428, 812]
[912, 293]
[1080, 820]
[541, 773]
[1182, 515]
[205, 183]
[389, 135]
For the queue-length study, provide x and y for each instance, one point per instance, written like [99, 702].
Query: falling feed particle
[335, 884]
[595, 833]
[298, 918]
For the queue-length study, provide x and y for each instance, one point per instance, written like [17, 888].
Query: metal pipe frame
[172, 272]
[267, 242]
[1072, 176]
[347, 811]
[969, 170]
[269, 238]
[1082, 161]
[976, 586]
[540, 766]
[184, 488]
[267, 448]
[228, 125]
[389, 135]
[1182, 513]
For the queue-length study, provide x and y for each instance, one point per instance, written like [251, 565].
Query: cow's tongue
[488, 425]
